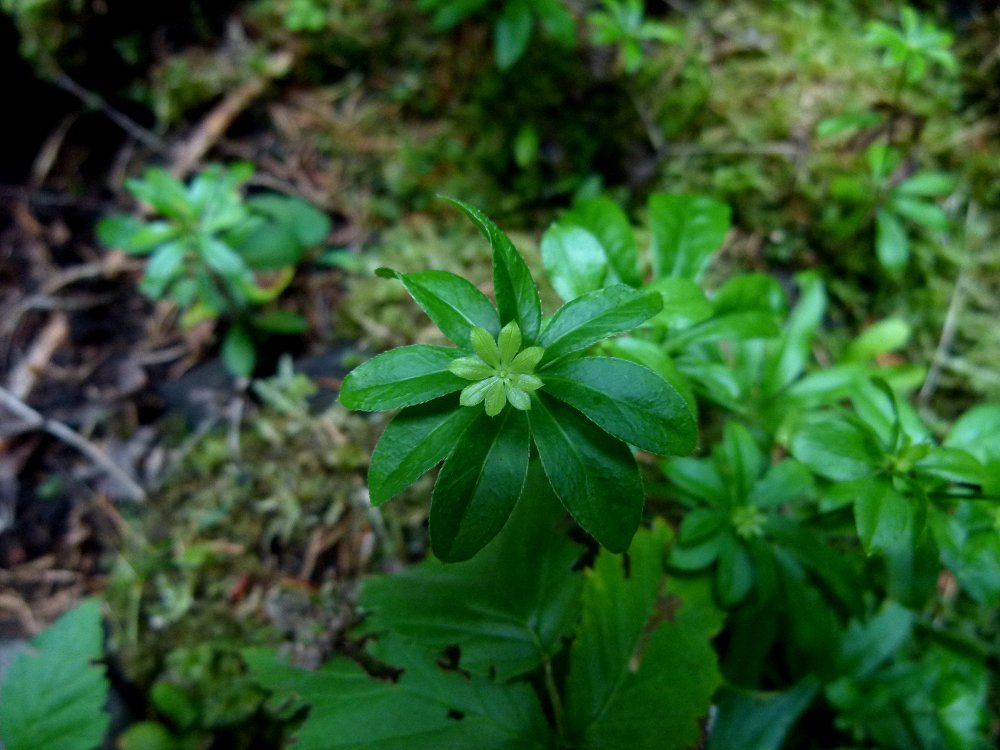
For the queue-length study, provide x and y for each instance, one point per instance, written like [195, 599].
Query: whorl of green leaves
[580, 413]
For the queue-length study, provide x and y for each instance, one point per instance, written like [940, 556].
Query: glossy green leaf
[479, 485]
[594, 475]
[595, 316]
[417, 439]
[795, 347]
[637, 636]
[735, 576]
[732, 327]
[239, 353]
[684, 302]
[891, 244]
[516, 295]
[759, 721]
[53, 696]
[401, 377]
[512, 32]
[503, 622]
[454, 304]
[883, 516]
[952, 465]
[574, 260]
[605, 220]
[429, 707]
[651, 355]
[687, 230]
[836, 447]
[626, 400]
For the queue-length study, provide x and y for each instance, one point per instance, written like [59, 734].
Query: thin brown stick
[69, 436]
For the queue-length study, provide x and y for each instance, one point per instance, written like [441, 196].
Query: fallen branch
[69, 436]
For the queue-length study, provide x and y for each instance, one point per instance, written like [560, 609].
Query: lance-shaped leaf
[642, 671]
[836, 446]
[428, 708]
[687, 230]
[604, 219]
[417, 438]
[885, 519]
[517, 297]
[593, 474]
[628, 401]
[479, 485]
[503, 622]
[595, 316]
[401, 377]
[453, 303]
[574, 260]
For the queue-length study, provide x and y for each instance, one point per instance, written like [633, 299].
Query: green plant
[514, 26]
[580, 413]
[212, 247]
[890, 201]
[804, 510]
[912, 47]
[623, 23]
[53, 696]
[517, 649]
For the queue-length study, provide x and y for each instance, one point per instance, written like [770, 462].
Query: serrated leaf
[687, 230]
[606, 221]
[574, 260]
[479, 485]
[417, 439]
[454, 304]
[512, 32]
[595, 316]
[502, 621]
[401, 377]
[53, 697]
[636, 638]
[626, 400]
[594, 475]
[428, 708]
[517, 297]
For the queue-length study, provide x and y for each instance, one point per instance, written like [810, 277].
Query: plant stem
[556, 700]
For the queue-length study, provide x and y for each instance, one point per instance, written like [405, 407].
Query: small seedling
[211, 249]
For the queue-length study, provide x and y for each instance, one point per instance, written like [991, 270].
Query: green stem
[556, 700]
